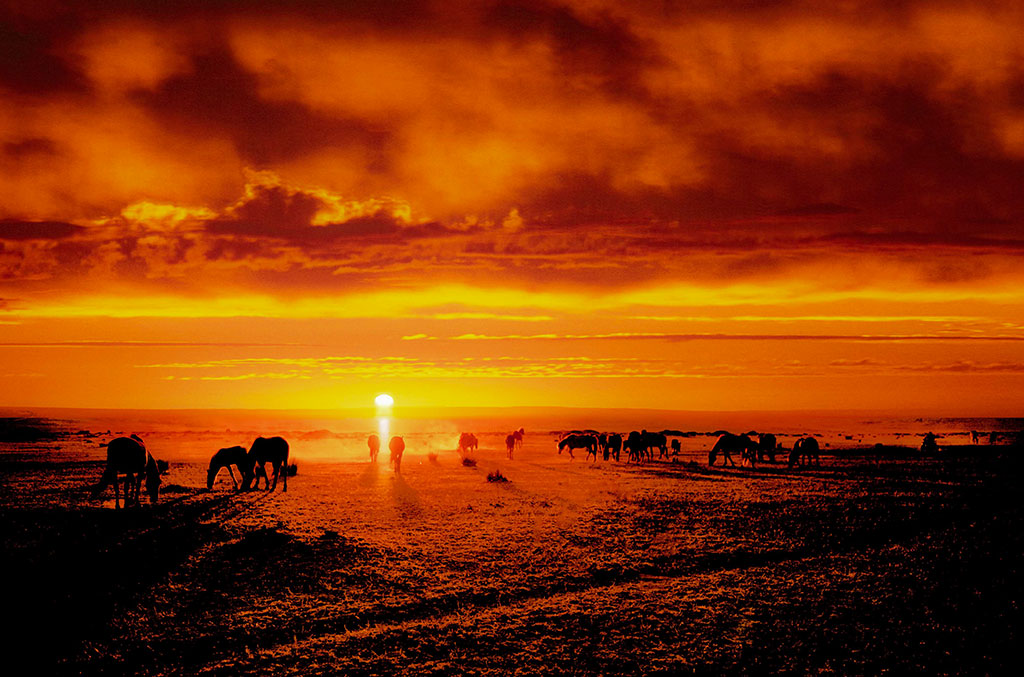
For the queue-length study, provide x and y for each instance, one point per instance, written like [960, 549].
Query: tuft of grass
[469, 462]
[293, 470]
[496, 476]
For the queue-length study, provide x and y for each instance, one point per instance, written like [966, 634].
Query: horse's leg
[232, 473]
[117, 493]
[284, 469]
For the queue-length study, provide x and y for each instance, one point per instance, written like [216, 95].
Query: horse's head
[153, 480]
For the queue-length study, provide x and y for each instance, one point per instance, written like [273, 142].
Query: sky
[735, 205]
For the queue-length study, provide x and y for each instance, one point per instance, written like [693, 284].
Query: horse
[570, 442]
[468, 442]
[614, 445]
[676, 447]
[518, 436]
[272, 450]
[128, 455]
[225, 458]
[766, 444]
[803, 449]
[729, 443]
[654, 441]
[397, 447]
[373, 442]
[635, 446]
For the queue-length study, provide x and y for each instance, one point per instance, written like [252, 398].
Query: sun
[384, 400]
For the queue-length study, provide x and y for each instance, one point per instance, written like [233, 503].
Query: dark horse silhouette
[373, 442]
[803, 450]
[397, 447]
[729, 443]
[225, 458]
[272, 450]
[570, 442]
[518, 435]
[128, 455]
[468, 442]
[766, 444]
[510, 444]
[614, 445]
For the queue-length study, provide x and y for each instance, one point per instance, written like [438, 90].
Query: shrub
[496, 476]
[293, 470]
[469, 462]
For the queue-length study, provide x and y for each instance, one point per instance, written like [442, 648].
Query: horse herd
[129, 456]
[641, 445]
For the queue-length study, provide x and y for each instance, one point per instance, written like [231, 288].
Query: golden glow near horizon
[582, 203]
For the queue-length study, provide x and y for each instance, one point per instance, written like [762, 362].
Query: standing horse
[373, 442]
[272, 450]
[615, 445]
[510, 444]
[225, 458]
[570, 442]
[518, 436]
[654, 441]
[128, 455]
[468, 442]
[397, 447]
[635, 447]
[729, 443]
[766, 444]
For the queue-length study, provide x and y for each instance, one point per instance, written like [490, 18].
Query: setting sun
[706, 321]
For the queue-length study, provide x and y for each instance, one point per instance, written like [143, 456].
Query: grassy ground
[858, 567]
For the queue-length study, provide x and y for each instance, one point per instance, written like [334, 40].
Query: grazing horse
[272, 450]
[225, 458]
[676, 447]
[128, 455]
[615, 445]
[373, 442]
[729, 443]
[570, 442]
[766, 444]
[397, 447]
[468, 442]
[803, 449]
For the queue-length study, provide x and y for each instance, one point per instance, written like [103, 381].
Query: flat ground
[861, 566]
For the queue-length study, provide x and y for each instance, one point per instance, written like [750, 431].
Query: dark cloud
[29, 60]
[11, 229]
[25, 148]
[218, 96]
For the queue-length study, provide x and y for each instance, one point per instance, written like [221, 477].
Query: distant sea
[339, 435]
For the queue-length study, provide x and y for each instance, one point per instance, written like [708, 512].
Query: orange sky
[728, 205]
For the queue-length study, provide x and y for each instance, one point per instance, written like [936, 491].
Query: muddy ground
[865, 565]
